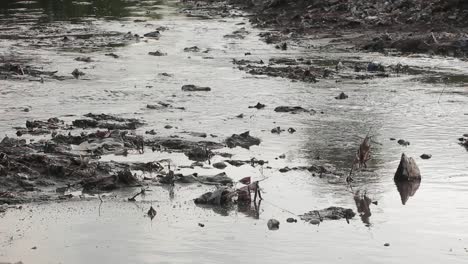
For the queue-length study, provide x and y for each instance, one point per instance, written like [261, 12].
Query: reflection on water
[407, 189]
[74, 9]
[363, 203]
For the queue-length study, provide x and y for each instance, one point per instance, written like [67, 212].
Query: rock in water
[407, 170]
[243, 140]
[426, 156]
[341, 96]
[273, 224]
[194, 88]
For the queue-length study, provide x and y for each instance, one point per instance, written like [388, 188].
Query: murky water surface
[431, 227]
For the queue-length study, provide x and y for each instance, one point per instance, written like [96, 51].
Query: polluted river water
[423, 223]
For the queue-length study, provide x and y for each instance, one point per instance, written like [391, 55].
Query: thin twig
[440, 95]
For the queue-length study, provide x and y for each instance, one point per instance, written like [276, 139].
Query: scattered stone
[426, 156]
[277, 130]
[403, 142]
[157, 53]
[113, 55]
[375, 67]
[282, 46]
[152, 212]
[219, 165]
[192, 49]
[237, 163]
[273, 224]
[221, 196]
[243, 140]
[198, 134]
[220, 178]
[330, 213]
[315, 222]
[258, 106]
[341, 96]
[194, 88]
[292, 109]
[84, 59]
[199, 154]
[407, 170]
[155, 34]
[77, 73]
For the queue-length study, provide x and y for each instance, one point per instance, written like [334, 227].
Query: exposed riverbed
[429, 228]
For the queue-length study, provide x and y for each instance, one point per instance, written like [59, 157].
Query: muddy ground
[391, 27]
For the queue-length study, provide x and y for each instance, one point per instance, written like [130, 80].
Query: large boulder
[407, 170]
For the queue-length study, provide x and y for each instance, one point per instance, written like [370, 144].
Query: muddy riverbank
[109, 112]
[402, 27]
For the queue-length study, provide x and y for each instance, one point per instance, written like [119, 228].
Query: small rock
[387, 244]
[154, 34]
[273, 224]
[341, 96]
[291, 220]
[291, 130]
[277, 130]
[374, 66]
[243, 140]
[113, 55]
[167, 126]
[192, 49]
[315, 222]
[258, 106]
[282, 156]
[403, 142]
[151, 132]
[285, 169]
[157, 53]
[219, 165]
[34, 247]
[201, 225]
[282, 46]
[77, 73]
[194, 88]
[84, 59]
[240, 116]
[426, 156]
[407, 169]
[292, 109]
